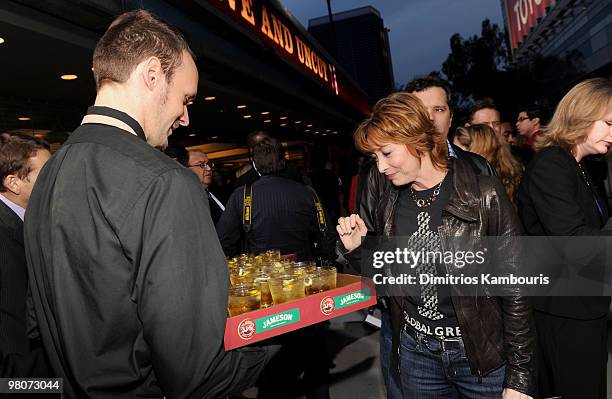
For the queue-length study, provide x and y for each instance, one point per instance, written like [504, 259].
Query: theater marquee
[522, 15]
[262, 19]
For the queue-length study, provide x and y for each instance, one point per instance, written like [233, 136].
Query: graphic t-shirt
[431, 312]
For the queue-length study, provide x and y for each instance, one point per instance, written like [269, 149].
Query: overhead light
[265, 112]
[324, 134]
[307, 130]
[310, 125]
[328, 130]
[191, 134]
[246, 116]
[283, 124]
[68, 77]
[1, 40]
[297, 122]
[24, 118]
[210, 98]
[283, 117]
[214, 137]
[334, 132]
[268, 121]
[241, 106]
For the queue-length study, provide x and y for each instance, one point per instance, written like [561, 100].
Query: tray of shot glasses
[272, 294]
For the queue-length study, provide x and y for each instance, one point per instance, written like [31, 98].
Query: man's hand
[512, 394]
[351, 230]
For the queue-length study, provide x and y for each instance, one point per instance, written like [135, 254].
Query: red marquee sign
[269, 24]
[522, 15]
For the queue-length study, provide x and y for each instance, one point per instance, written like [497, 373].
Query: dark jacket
[477, 162]
[291, 171]
[554, 200]
[283, 217]
[496, 330]
[19, 357]
[128, 280]
[215, 209]
[375, 181]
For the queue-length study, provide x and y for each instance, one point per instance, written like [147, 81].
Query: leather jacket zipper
[441, 231]
[386, 228]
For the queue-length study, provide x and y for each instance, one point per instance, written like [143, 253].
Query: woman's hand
[512, 394]
[351, 230]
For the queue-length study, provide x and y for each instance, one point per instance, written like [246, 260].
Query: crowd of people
[115, 278]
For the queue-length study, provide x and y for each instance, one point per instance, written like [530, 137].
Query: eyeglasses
[203, 165]
[522, 118]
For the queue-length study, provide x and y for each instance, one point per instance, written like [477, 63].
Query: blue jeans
[426, 375]
[393, 391]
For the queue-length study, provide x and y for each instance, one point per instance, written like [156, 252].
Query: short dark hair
[534, 112]
[256, 137]
[483, 103]
[133, 37]
[422, 84]
[15, 152]
[178, 153]
[267, 155]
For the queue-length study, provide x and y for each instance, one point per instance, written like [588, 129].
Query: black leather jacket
[496, 330]
[478, 163]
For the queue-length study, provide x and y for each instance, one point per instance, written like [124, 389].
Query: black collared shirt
[129, 281]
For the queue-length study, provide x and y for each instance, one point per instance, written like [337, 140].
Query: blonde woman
[484, 141]
[462, 138]
[557, 198]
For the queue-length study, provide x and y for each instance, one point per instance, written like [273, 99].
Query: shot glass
[262, 280]
[321, 279]
[286, 287]
[243, 298]
[242, 274]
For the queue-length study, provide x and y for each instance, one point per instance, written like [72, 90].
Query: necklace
[584, 176]
[591, 188]
[426, 202]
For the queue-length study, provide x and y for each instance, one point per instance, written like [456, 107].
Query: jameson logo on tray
[278, 320]
[352, 298]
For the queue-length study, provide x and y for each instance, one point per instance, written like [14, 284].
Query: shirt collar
[451, 152]
[19, 211]
[119, 115]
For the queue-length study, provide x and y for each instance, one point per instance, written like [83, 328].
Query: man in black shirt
[284, 217]
[129, 282]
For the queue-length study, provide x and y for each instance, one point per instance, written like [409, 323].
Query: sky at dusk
[419, 29]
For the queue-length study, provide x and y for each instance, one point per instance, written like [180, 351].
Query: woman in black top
[558, 198]
[447, 340]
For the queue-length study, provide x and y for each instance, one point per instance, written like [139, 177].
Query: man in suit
[198, 163]
[21, 158]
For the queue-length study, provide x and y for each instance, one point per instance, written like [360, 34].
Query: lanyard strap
[321, 222]
[119, 115]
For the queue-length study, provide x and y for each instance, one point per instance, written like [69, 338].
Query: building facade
[361, 47]
[564, 40]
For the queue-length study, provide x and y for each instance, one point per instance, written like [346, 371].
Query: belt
[435, 345]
